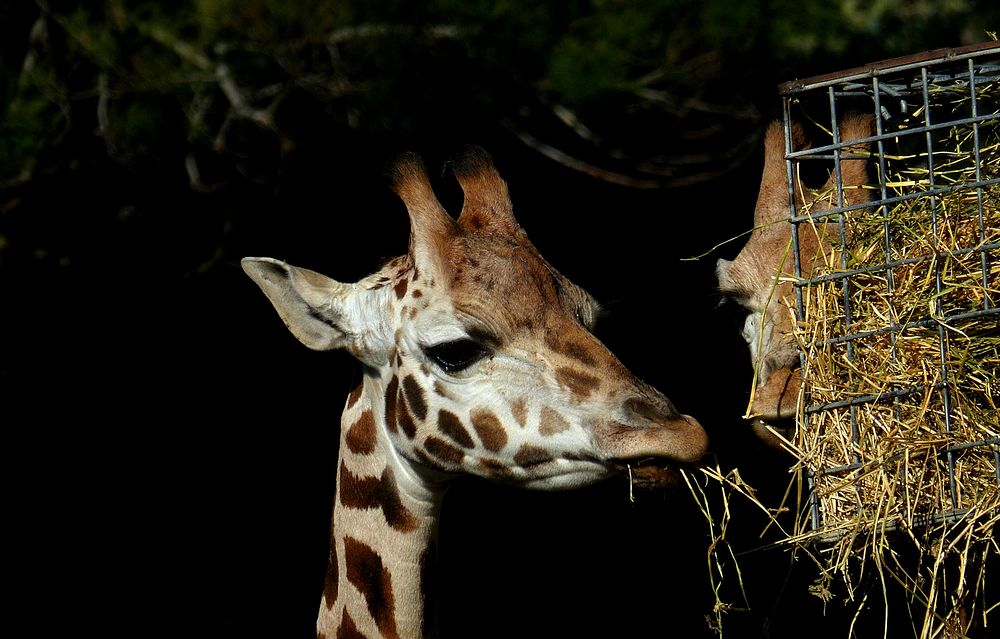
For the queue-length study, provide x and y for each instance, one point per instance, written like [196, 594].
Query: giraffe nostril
[657, 411]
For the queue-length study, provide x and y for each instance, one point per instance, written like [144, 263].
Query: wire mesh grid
[897, 317]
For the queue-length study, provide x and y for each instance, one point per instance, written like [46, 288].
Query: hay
[901, 347]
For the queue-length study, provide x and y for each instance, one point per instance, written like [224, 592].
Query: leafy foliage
[201, 96]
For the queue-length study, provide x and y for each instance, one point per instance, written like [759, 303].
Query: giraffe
[759, 277]
[477, 359]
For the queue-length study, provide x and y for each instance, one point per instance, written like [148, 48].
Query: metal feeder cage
[934, 144]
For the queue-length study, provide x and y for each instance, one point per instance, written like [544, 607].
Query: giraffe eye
[456, 356]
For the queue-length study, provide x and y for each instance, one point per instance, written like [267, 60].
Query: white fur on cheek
[751, 330]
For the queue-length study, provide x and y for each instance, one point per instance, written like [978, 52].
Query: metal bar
[892, 65]
[886, 230]
[948, 319]
[831, 277]
[836, 470]
[942, 337]
[979, 176]
[943, 190]
[868, 399]
[838, 186]
[979, 119]
[987, 73]
[814, 509]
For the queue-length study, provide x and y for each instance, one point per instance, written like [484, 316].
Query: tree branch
[576, 164]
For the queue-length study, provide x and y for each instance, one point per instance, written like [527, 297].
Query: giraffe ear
[487, 201]
[322, 313]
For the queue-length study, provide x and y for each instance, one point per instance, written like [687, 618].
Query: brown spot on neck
[550, 422]
[360, 437]
[332, 575]
[347, 629]
[491, 432]
[355, 395]
[579, 383]
[370, 576]
[366, 493]
[400, 288]
[391, 392]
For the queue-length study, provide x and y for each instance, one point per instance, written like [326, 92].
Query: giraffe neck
[382, 537]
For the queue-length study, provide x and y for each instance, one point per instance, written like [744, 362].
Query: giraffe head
[760, 277]
[479, 352]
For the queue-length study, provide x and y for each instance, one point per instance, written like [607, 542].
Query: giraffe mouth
[774, 432]
[649, 472]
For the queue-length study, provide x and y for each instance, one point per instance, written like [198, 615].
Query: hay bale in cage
[893, 304]
[901, 335]
[898, 425]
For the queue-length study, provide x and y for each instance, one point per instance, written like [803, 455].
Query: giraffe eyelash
[457, 355]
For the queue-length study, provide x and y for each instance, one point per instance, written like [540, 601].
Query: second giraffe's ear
[322, 313]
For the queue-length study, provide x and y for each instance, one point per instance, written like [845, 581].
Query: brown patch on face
[400, 288]
[360, 436]
[519, 408]
[391, 393]
[551, 422]
[417, 293]
[527, 324]
[415, 397]
[580, 384]
[443, 450]
[412, 312]
[529, 455]
[366, 493]
[348, 629]
[489, 429]
[578, 350]
[494, 467]
[405, 419]
[451, 425]
[441, 390]
[425, 459]
[370, 576]
[475, 221]
[355, 395]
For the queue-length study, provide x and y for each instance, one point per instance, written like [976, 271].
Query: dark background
[170, 449]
